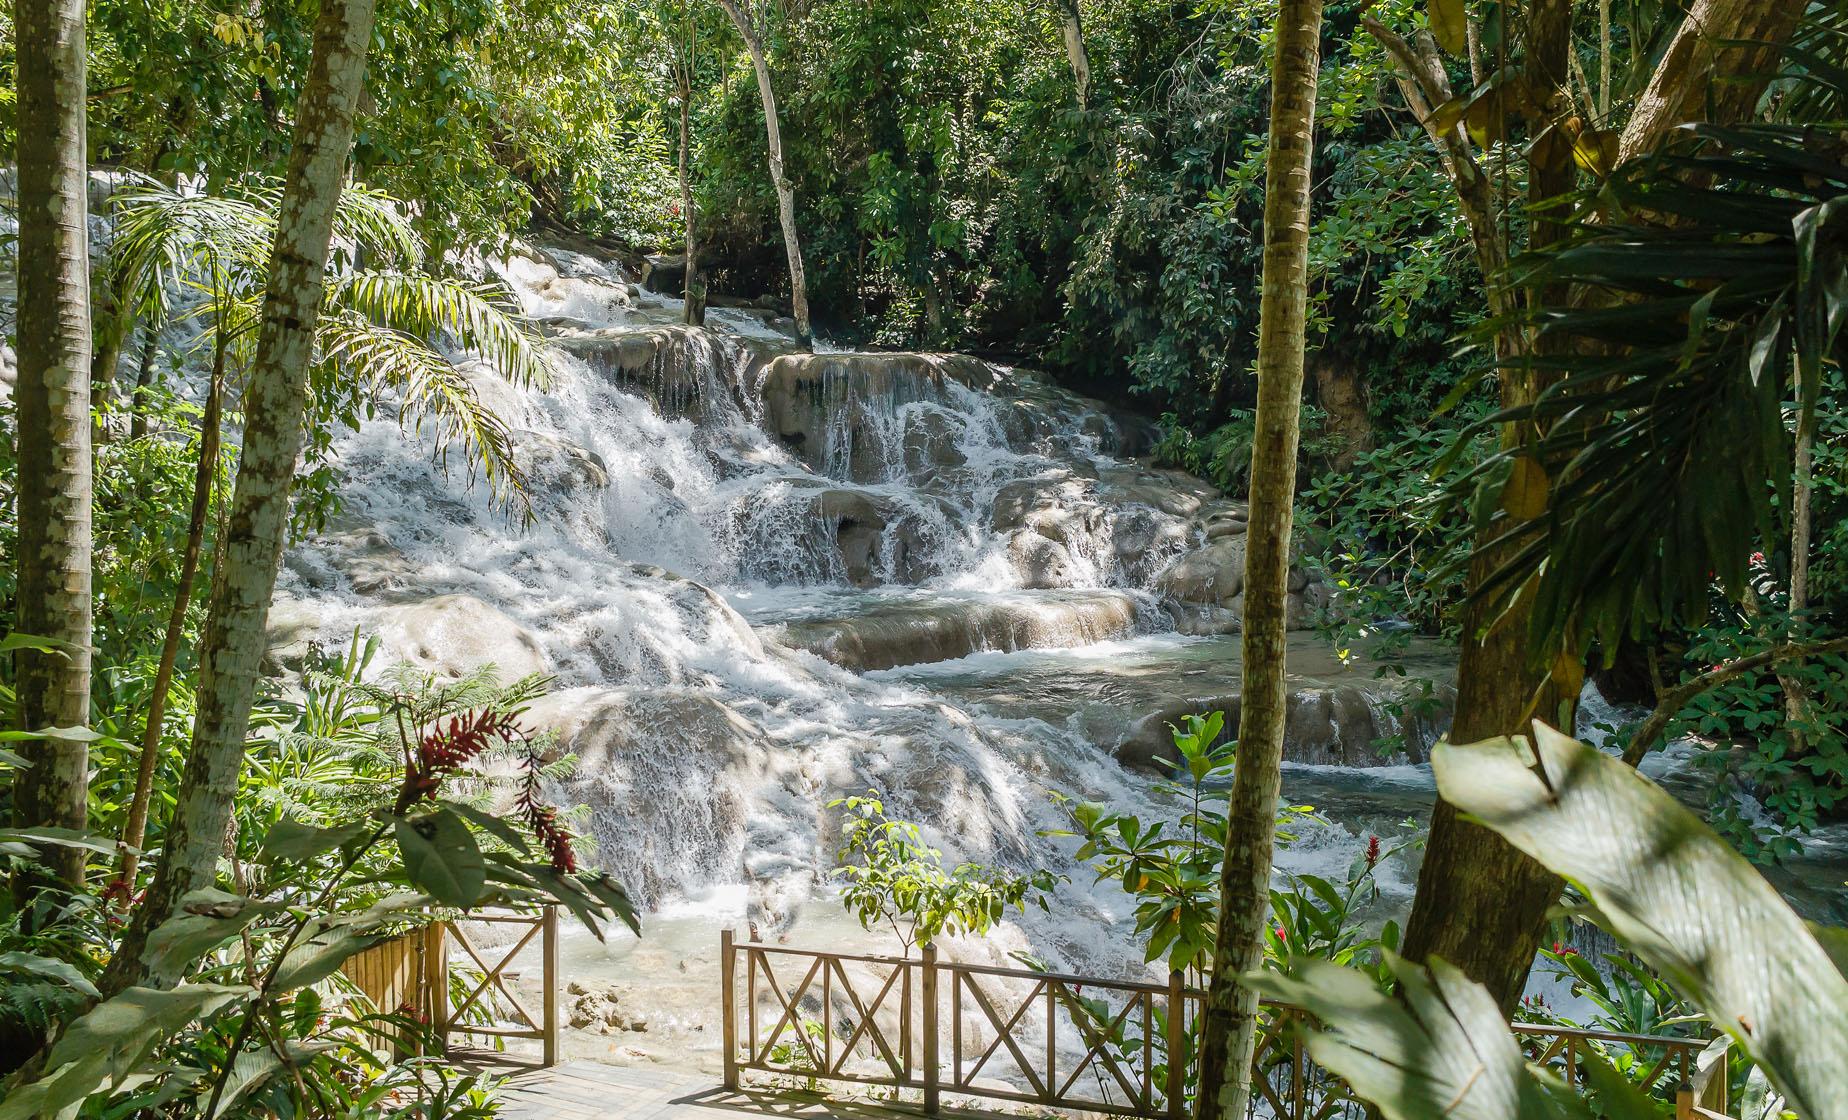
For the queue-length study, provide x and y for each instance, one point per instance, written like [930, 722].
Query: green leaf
[442, 858]
[51, 968]
[206, 919]
[291, 840]
[12, 642]
[1674, 893]
[493, 826]
[1441, 1049]
[615, 896]
[1449, 24]
[74, 734]
[314, 959]
[110, 1041]
[59, 838]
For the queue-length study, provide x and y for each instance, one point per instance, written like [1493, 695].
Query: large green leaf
[1450, 25]
[1441, 1050]
[207, 918]
[51, 968]
[291, 840]
[106, 1045]
[14, 840]
[1674, 894]
[442, 858]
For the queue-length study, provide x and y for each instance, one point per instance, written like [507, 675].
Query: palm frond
[429, 388]
[377, 223]
[163, 237]
[1722, 289]
[470, 316]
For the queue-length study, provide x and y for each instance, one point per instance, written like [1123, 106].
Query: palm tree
[53, 399]
[375, 338]
[1228, 1031]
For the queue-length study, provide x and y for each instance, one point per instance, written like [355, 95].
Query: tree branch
[1678, 697]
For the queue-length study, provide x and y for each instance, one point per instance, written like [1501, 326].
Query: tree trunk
[1228, 1032]
[785, 192]
[1481, 904]
[1796, 696]
[53, 401]
[1342, 393]
[693, 289]
[144, 379]
[1071, 27]
[1695, 81]
[134, 831]
[251, 549]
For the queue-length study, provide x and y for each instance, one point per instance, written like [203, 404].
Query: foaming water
[700, 495]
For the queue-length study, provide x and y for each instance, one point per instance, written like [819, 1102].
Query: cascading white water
[702, 497]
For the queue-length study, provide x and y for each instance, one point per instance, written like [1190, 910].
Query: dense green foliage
[954, 193]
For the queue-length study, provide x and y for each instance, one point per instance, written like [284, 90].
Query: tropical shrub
[891, 879]
[1171, 869]
[318, 877]
[1654, 876]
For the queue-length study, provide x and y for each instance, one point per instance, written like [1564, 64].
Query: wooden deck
[593, 1091]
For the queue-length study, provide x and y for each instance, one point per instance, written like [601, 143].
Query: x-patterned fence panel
[1062, 1041]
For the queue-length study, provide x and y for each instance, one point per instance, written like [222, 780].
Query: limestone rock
[942, 630]
[450, 635]
[1213, 574]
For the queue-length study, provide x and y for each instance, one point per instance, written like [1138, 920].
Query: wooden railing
[1060, 1041]
[413, 973]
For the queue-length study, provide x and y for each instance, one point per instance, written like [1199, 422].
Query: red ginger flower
[1373, 850]
[448, 748]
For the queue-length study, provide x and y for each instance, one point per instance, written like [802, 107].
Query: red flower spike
[1373, 850]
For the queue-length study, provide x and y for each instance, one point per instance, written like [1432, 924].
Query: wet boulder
[452, 635]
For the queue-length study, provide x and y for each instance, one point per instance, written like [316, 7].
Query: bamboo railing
[936, 1026]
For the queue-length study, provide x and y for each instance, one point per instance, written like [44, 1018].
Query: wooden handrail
[413, 971]
[1115, 1045]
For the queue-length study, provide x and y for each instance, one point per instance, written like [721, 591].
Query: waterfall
[763, 579]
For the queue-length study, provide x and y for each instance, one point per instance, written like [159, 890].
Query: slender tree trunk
[1481, 903]
[1071, 27]
[53, 401]
[134, 831]
[144, 379]
[1228, 1032]
[251, 547]
[785, 191]
[692, 287]
[1796, 696]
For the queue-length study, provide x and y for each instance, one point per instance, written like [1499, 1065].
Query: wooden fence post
[930, 1029]
[548, 975]
[1177, 1043]
[728, 997]
[436, 982]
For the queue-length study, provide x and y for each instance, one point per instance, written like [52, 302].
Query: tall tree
[1228, 1030]
[53, 401]
[785, 190]
[275, 402]
[684, 46]
[1071, 29]
[205, 472]
[1480, 903]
